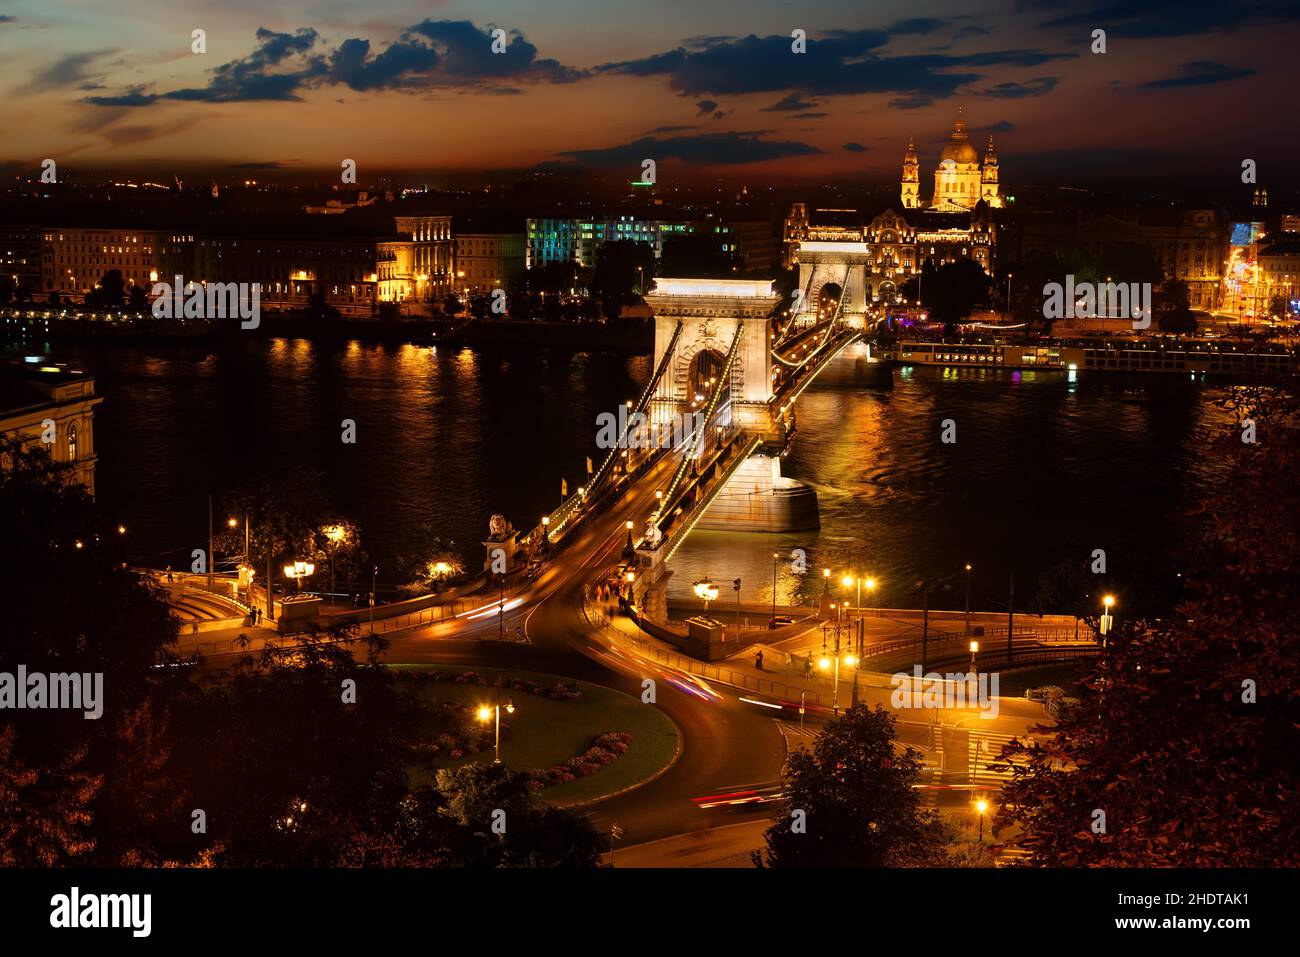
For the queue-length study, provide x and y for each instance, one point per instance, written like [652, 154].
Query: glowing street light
[826, 663]
[981, 808]
[706, 590]
[486, 713]
[1107, 619]
[298, 571]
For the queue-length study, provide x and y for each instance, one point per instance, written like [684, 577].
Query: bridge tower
[829, 266]
[718, 316]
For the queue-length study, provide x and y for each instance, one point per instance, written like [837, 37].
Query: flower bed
[605, 749]
[560, 691]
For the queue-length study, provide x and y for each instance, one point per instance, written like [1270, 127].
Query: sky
[1185, 90]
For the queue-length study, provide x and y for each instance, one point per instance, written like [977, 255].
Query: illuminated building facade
[75, 259]
[487, 261]
[31, 394]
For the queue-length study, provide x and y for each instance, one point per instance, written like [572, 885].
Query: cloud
[809, 116]
[429, 55]
[1177, 18]
[854, 147]
[71, 70]
[1015, 91]
[1200, 73]
[717, 149]
[790, 103]
[1002, 126]
[918, 25]
[842, 62]
[706, 106]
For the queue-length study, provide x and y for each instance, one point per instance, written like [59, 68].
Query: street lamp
[974, 650]
[826, 664]
[298, 571]
[334, 534]
[1107, 619]
[775, 558]
[981, 807]
[485, 714]
[705, 589]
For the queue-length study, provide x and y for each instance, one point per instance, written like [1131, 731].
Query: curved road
[724, 743]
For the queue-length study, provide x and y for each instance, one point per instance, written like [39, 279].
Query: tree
[111, 291]
[428, 561]
[1185, 741]
[536, 834]
[285, 511]
[620, 265]
[696, 256]
[958, 287]
[855, 790]
[82, 611]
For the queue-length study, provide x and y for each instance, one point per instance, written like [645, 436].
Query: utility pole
[736, 585]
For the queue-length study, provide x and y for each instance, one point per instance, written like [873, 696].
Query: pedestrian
[758, 660]
[169, 573]
[257, 617]
[807, 667]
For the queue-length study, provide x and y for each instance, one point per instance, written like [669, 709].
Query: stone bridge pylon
[718, 317]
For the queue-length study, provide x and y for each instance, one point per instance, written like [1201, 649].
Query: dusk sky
[1184, 90]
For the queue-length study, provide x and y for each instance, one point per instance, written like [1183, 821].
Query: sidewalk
[726, 846]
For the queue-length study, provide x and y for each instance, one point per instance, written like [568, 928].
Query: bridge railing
[599, 621]
[558, 521]
[723, 383]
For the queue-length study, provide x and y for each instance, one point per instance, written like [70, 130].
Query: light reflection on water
[1043, 468]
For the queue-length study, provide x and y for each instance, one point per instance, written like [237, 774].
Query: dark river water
[1044, 468]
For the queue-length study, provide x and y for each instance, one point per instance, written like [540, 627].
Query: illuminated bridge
[708, 431]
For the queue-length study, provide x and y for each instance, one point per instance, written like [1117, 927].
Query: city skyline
[407, 88]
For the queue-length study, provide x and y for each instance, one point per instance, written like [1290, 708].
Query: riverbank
[630, 336]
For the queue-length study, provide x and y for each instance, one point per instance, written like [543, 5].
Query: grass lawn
[542, 733]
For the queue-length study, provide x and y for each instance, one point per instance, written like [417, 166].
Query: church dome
[959, 152]
[958, 149]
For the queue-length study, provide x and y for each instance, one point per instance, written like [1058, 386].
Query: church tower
[957, 177]
[989, 178]
[911, 185]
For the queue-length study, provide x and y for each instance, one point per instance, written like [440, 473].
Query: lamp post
[968, 571]
[974, 650]
[374, 584]
[849, 662]
[705, 589]
[775, 557]
[981, 806]
[334, 534]
[1107, 619]
[485, 713]
[298, 571]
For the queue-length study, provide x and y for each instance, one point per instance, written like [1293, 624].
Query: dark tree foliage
[696, 256]
[110, 293]
[855, 788]
[616, 277]
[81, 610]
[1186, 740]
[536, 834]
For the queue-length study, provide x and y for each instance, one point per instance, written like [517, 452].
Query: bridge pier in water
[713, 313]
